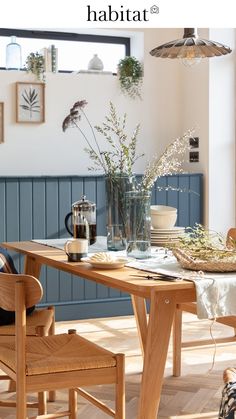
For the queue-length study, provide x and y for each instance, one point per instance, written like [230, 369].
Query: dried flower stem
[90, 146]
[95, 139]
[169, 163]
[205, 245]
[121, 155]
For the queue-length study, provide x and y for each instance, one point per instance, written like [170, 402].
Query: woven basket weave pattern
[188, 262]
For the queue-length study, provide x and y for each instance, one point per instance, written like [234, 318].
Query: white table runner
[216, 292]
[99, 246]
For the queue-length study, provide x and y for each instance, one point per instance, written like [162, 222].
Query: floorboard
[194, 395]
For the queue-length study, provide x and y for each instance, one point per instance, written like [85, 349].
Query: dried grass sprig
[121, 155]
[205, 245]
[170, 161]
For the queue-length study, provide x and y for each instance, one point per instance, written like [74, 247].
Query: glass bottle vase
[116, 187]
[138, 226]
[13, 55]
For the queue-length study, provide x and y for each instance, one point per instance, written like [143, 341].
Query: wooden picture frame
[1, 122]
[30, 102]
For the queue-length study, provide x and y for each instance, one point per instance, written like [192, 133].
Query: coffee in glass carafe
[83, 220]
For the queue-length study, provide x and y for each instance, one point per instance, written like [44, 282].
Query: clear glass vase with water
[116, 187]
[138, 224]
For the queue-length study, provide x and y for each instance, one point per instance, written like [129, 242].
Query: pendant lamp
[191, 48]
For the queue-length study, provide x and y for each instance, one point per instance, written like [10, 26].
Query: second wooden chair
[192, 308]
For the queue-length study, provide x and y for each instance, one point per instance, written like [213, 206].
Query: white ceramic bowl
[163, 216]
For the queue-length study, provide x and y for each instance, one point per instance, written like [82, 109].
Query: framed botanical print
[1, 122]
[30, 102]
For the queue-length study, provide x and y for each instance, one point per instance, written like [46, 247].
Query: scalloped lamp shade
[190, 47]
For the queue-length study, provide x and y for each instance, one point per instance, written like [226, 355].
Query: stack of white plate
[163, 237]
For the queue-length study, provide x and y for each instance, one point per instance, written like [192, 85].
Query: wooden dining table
[154, 329]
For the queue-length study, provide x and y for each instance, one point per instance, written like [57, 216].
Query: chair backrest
[33, 291]
[7, 266]
[17, 292]
[231, 238]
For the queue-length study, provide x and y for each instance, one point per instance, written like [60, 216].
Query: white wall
[161, 93]
[43, 149]
[208, 99]
[194, 101]
[221, 180]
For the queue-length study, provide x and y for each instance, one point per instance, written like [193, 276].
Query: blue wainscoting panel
[35, 208]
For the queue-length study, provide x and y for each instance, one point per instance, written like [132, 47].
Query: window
[74, 50]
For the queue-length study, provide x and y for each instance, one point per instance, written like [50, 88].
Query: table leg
[162, 309]
[32, 266]
[140, 313]
[177, 342]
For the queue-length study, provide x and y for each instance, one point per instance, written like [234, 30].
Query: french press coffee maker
[83, 220]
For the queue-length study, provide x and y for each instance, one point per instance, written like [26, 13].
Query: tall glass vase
[138, 225]
[116, 187]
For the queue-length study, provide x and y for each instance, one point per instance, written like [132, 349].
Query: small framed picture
[1, 122]
[30, 102]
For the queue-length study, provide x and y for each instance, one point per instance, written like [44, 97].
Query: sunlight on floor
[194, 395]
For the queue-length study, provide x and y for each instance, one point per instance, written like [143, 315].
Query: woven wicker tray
[188, 262]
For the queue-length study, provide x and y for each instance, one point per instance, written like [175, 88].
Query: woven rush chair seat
[52, 354]
[46, 363]
[192, 308]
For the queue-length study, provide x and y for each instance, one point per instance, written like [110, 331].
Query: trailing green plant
[130, 75]
[35, 65]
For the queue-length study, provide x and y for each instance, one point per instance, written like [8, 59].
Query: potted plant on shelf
[130, 75]
[35, 65]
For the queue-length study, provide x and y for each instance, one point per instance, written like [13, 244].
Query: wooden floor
[196, 394]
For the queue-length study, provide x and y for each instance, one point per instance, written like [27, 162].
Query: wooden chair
[231, 238]
[192, 308]
[43, 363]
[39, 317]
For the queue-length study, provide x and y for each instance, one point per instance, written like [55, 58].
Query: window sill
[105, 73]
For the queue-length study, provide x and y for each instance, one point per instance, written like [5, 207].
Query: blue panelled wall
[35, 208]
